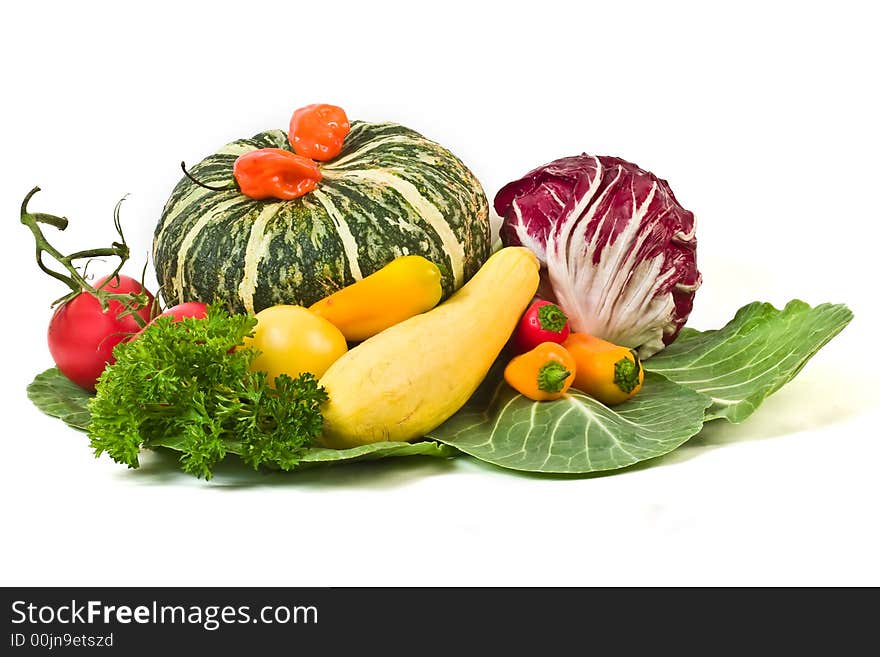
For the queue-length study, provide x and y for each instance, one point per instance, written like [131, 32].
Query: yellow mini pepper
[405, 287]
[542, 374]
[605, 371]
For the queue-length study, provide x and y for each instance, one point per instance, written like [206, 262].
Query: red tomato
[195, 309]
[82, 336]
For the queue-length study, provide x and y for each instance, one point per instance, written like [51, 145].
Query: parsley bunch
[187, 384]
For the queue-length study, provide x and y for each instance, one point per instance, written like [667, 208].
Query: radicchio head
[616, 248]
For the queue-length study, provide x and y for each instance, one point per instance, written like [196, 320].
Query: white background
[762, 116]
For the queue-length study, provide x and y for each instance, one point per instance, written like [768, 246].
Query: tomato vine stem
[72, 278]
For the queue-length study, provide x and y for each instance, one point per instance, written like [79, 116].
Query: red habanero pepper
[275, 173]
[542, 322]
[317, 131]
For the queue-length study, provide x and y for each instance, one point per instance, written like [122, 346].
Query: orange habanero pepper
[318, 131]
[544, 373]
[275, 173]
[605, 371]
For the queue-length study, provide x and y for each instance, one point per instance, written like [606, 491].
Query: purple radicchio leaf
[617, 249]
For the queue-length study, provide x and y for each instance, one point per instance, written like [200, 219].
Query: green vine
[72, 278]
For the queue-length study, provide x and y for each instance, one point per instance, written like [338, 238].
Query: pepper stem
[552, 376]
[626, 372]
[552, 318]
[206, 186]
[71, 276]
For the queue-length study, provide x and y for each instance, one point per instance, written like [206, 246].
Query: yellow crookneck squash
[410, 378]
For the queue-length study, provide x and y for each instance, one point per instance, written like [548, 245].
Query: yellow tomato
[292, 340]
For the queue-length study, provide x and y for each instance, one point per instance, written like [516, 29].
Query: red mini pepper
[275, 173]
[318, 131]
[542, 322]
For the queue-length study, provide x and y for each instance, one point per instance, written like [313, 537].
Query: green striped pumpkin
[390, 192]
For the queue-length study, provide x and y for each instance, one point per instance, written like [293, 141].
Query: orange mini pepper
[605, 371]
[318, 131]
[544, 373]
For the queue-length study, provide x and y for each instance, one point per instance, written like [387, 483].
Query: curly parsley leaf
[191, 379]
